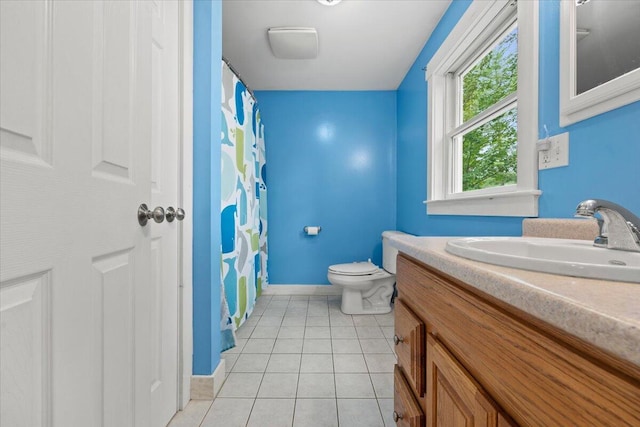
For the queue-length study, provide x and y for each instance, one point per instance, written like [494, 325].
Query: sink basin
[567, 257]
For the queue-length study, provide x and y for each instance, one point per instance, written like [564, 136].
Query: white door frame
[185, 200]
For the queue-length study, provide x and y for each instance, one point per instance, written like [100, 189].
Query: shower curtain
[244, 205]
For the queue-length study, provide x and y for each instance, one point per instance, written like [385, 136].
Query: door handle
[144, 214]
[174, 214]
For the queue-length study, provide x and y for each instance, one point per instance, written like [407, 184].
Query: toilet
[367, 288]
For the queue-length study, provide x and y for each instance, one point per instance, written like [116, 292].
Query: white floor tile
[278, 385]
[294, 320]
[268, 320]
[349, 363]
[192, 415]
[241, 385]
[365, 320]
[272, 413]
[343, 346]
[291, 332]
[317, 311]
[265, 332]
[318, 298]
[249, 362]
[340, 320]
[385, 319]
[240, 343]
[380, 362]
[316, 413]
[317, 320]
[316, 346]
[296, 311]
[316, 363]
[229, 361]
[388, 331]
[244, 331]
[354, 386]
[375, 345]
[317, 332]
[369, 332]
[316, 386]
[383, 385]
[299, 298]
[343, 332]
[252, 321]
[386, 407]
[284, 363]
[359, 413]
[288, 346]
[278, 304]
[274, 312]
[228, 413]
[259, 345]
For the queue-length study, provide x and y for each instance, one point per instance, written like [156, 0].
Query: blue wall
[330, 162]
[603, 152]
[207, 51]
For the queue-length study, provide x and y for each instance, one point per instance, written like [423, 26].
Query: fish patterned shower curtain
[244, 204]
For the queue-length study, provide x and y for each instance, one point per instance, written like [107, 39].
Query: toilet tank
[389, 252]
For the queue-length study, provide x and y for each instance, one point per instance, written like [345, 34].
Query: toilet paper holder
[309, 230]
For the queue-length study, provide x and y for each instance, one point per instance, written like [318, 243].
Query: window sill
[522, 203]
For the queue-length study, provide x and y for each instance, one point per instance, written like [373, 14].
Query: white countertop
[604, 313]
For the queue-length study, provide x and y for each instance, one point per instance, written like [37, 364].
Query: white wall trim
[185, 200]
[207, 387]
[302, 290]
[608, 96]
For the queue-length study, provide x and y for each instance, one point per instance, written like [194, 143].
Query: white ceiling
[363, 44]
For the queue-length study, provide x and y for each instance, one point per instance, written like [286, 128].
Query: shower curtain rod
[239, 78]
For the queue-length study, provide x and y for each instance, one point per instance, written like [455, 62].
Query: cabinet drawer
[406, 411]
[409, 345]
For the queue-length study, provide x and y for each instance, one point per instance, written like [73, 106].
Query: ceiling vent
[293, 42]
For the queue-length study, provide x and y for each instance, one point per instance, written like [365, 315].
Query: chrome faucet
[619, 227]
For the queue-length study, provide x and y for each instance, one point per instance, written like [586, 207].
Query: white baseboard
[206, 387]
[302, 290]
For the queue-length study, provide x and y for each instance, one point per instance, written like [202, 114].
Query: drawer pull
[396, 417]
[397, 340]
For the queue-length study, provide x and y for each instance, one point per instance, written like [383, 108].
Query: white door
[81, 282]
[165, 155]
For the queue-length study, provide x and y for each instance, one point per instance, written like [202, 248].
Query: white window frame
[483, 20]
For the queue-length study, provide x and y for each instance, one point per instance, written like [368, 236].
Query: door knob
[396, 416]
[174, 214]
[144, 214]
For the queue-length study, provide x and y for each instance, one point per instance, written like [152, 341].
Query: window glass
[489, 153]
[492, 78]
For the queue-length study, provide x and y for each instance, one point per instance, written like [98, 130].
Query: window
[483, 113]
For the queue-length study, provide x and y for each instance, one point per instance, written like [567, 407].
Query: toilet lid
[354, 268]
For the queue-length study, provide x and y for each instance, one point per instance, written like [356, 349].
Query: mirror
[599, 57]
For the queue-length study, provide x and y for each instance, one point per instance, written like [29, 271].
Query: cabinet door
[406, 411]
[454, 399]
[409, 345]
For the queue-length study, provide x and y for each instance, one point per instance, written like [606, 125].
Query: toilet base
[353, 303]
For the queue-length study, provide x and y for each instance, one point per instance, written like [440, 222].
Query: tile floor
[300, 361]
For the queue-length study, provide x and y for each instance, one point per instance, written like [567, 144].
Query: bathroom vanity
[483, 345]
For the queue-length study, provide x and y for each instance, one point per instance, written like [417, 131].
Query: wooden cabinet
[489, 364]
[406, 409]
[409, 346]
[454, 398]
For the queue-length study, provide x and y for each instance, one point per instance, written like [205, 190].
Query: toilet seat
[354, 268]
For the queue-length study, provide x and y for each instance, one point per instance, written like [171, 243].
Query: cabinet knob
[396, 416]
[397, 340]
